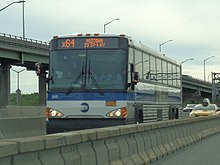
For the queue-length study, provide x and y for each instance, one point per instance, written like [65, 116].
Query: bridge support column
[42, 90]
[4, 84]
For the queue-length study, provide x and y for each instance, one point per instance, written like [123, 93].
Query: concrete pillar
[4, 84]
[42, 90]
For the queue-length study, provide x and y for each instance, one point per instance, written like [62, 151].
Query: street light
[18, 91]
[109, 23]
[204, 65]
[22, 12]
[23, 20]
[187, 60]
[163, 44]
[11, 4]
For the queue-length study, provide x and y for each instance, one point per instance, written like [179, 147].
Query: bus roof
[92, 35]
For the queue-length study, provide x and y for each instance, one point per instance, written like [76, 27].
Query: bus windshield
[96, 69]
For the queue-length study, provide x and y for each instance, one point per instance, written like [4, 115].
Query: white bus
[98, 80]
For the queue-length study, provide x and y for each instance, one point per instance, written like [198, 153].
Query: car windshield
[190, 105]
[208, 108]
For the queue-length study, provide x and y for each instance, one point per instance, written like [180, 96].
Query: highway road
[204, 152]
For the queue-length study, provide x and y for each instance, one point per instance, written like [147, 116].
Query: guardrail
[24, 39]
[129, 144]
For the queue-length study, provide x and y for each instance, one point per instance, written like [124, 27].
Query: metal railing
[23, 39]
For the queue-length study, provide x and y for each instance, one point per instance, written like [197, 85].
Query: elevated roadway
[25, 52]
[194, 89]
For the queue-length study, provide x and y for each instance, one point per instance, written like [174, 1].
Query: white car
[189, 107]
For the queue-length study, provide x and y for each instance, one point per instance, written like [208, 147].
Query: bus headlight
[53, 113]
[118, 113]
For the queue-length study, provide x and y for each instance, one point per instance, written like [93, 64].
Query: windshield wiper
[81, 73]
[90, 75]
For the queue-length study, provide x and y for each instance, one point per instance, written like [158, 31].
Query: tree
[26, 99]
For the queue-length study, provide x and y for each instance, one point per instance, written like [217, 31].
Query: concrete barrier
[130, 144]
[22, 127]
[22, 111]
[22, 121]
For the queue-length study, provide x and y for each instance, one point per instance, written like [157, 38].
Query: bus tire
[172, 113]
[177, 113]
[139, 116]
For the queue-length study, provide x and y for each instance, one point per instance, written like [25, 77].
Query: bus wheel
[177, 113]
[139, 116]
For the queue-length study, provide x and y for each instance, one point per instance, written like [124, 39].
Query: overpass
[194, 90]
[26, 52]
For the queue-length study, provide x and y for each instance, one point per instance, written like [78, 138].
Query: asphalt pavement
[204, 152]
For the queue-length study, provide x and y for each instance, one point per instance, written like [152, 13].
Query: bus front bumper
[57, 125]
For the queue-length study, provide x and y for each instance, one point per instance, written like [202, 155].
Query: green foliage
[25, 99]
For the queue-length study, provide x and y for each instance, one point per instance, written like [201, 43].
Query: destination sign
[87, 43]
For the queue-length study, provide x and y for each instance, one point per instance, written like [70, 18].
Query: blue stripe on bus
[174, 99]
[108, 96]
[91, 96]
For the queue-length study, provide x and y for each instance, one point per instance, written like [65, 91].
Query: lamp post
[181, 63]
[109, 23]
[11, 4]
[204, 65]
[22, 12]
[18, 91]
[23, 20]
[163, 44]
[187, 60]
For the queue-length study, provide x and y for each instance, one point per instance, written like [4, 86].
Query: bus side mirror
[38, 69]
[135, 77]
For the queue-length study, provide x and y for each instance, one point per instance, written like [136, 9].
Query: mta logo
[84, 107]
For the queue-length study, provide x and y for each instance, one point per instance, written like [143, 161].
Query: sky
[192, 25]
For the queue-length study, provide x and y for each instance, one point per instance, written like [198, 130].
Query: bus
[97, 80]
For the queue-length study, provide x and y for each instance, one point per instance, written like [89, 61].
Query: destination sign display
[87, 43]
